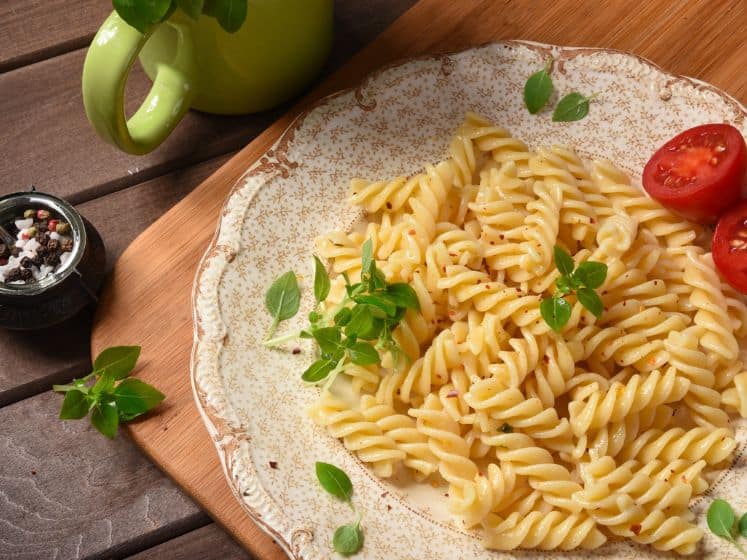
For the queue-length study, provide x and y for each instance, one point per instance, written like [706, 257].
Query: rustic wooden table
[65, 491]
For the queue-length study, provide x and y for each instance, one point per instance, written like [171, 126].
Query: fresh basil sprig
[538, 89]
[721, 521]
[556, 310]
[348, 539]
[144, 14]
[357, 330]
[100, 394]
[573, 107]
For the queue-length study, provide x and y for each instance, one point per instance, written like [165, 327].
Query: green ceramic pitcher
[279, 49]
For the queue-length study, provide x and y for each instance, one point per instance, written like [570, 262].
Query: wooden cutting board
[148, 298]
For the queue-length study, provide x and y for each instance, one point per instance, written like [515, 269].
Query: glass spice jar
[65, 291]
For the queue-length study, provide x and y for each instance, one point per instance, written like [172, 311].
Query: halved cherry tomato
[729, 247]
[698, 173]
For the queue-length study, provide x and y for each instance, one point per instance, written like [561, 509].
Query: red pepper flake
[412, 232]
[33, 472]
[452, 394]
[683, 478]
[636, 528]
[592, 221]
[501, 236]
[273, 464]
[388, 205]
[296, 350]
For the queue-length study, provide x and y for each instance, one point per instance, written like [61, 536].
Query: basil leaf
[142, 14]
[342, 317]
[363, 354]
[538, 89]
[364, 322]
[403, 295]
[573, 107]
[590, 300]
[348, 539]
[119, 361]
[321, 280]
[743, 525]
[104, 384]
[105, 418]
[74, 406]
[283, 297]
[591, 274]
[366, 257]
[230, 14]
[563, 261]
[328, 339]
[318, 370]
[377, 278]
[193, 8]
[720, 518]
[382, 301]
[563, 285]
[334, 480]
[555, 311]
[136, 397]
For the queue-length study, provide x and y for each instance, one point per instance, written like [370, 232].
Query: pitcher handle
[105, 71]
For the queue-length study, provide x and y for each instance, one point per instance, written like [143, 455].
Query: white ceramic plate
[253, 400]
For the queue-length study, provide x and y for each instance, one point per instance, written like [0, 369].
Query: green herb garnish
[348, 539]
[144, 14]
[334, 480]
[282, 299]
[556, 310]
[354, 332]
[742, 525]
[538, 89]
[573, 107]
[107, 393]
[720, 519]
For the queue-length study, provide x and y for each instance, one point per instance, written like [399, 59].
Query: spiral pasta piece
[714, 446]
[620, 400]
[544, 531]
[363, 437]
[712, 314]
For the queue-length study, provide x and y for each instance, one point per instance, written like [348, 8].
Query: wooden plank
[33, 30]
[54, 147]
[206, 543]
[67, 492]
[32, 362]
[656, 30]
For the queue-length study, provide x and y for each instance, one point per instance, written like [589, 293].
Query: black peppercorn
[13, 275]
[66, 246]
[26, 262]
[53, 245]
[15, 251]
[26, 274]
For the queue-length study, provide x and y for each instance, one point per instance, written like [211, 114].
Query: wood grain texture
[673, 34]
[33, 30]
[206, 543]
[68, 493]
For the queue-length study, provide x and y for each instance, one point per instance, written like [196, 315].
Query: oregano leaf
[538, 89]
[334, 480]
